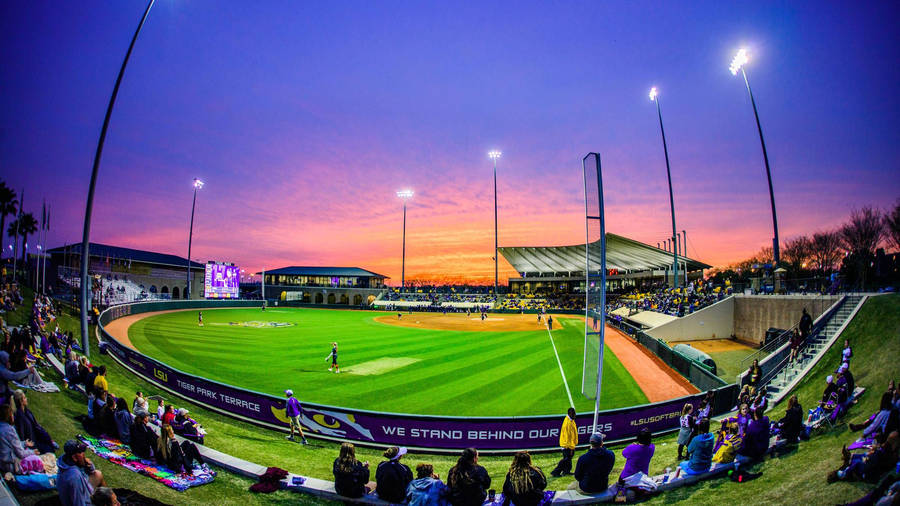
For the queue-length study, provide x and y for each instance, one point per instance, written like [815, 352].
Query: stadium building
[560, 269]
[125, 274]
[323, 285]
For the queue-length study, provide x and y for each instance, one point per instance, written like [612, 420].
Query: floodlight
[198, 184]
[653, 93]
[740, 59]
[494, 155]
[405, 194]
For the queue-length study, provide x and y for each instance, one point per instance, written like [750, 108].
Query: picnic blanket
[119, 453]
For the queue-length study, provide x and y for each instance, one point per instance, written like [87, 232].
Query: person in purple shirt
[292, 410]
[756, 439]
[637, 455]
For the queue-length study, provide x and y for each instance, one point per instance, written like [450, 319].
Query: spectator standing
[467, 481]
[700, 450]
[351, 476]
[805, 325]
[292, 411]
[525, 483]
[427, 489]
[568, 438]
[686, 428]
[77, 477]
[593, 468]
[637, 455]
[755, 374]
[392, 477]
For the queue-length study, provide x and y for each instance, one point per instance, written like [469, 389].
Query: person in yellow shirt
[568, 438]
[100, 381]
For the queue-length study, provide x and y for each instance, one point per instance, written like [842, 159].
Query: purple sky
[305, 118]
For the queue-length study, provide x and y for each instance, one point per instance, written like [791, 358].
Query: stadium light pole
[494, 155]
[86, 237]
[737, 64]
[197, 185]
[654, 96]
[404, 196]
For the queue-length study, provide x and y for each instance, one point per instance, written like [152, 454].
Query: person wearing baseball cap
[77, 477]
[593, 468]
[292, 411]
[392, 477]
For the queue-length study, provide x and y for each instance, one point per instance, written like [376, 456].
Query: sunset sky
[305, 118]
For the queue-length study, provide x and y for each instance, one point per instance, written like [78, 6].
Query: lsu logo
[160, 375]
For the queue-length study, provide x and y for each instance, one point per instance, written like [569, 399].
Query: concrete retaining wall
[713, 322]
[754, 314]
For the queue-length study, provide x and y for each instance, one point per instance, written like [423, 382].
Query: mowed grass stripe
[458, 372]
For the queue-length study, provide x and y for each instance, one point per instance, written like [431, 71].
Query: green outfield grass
[384, 367]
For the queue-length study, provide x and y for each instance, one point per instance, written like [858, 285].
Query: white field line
[561, 372]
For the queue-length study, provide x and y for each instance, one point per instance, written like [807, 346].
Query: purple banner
[374, 428]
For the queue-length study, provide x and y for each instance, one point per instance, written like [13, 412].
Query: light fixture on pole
[654, 96]
[86, 236]
[197, 185]
[737, 64]
[494, 155]
[404, 196]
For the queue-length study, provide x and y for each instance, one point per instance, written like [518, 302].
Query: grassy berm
[798, 477]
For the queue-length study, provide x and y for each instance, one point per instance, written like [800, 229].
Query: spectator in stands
[100, 382]
[77, 477]
[105, 496]
[755, 374]
[12, 449]
[73, 374]
[351, 477]
[392, 477]
[637, 455]
[870, 466]
[805, 324]
[427, 489]
[179, 458]
[124, 421]
[700, 450]
[6, 375]
[568, 439]
[792, 424]
[140, 403]
[593, 468]
[756, 439]
[686, 423]
[467, 482]
[525, 483]
[28, 428]
[143, 439]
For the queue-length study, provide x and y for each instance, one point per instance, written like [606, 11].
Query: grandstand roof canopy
[120, 253]
[622, 253]
[324, 271]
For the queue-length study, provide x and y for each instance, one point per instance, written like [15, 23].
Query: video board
[222, 281]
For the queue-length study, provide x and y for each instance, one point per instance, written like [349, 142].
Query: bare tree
[892, 226]
[797, 252]
[825, 250]
[863, 232]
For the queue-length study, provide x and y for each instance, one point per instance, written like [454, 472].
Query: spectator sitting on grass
[700, 450]
[28, 428]
[467, 481]
[351, 477]
[140, 403]
[143, 439]
[637, 455]
[124, 420]
[105, 496]
[792, 424]
[392, 477]
[12, 449]
[6, 375]
[870, 466]
[179, 458]
[756, 439]
[427, 489]
[525, 483]
[77, 477]
[187, 427]
[100, 380]
[876, 423]
[728, 444]
[73, 375]
[593, 468]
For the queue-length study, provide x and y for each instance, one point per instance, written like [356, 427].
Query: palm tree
[8, 203]
[27, 225]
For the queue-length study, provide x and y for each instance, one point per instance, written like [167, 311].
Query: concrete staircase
[816, 346]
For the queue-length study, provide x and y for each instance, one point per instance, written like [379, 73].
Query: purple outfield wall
[437, 433]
